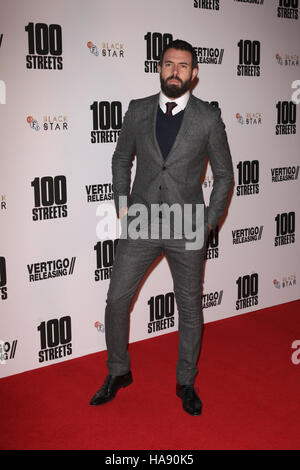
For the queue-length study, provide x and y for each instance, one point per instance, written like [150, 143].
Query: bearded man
[171, 133]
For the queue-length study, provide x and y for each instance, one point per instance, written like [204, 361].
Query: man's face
[176, 73]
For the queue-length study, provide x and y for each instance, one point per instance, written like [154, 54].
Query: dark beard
[174, 91]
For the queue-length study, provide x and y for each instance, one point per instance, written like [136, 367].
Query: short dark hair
[182, 46]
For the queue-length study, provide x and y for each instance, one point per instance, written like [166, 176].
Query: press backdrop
[68, 70]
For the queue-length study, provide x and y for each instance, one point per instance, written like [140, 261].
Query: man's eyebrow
[171, 61]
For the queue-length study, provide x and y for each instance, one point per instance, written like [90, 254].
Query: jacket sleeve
[122, 158]
[222, 168]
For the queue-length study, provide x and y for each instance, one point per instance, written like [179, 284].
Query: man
[171, 134]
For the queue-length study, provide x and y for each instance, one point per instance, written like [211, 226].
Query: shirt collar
[181, 102]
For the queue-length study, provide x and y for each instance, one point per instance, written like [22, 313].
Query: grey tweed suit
[174, 180]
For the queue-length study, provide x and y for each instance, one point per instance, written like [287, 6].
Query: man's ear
[194, 73]
[159, 69]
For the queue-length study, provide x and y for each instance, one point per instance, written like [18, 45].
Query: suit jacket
[176, 179]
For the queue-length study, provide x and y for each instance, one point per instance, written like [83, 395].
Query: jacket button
[164, 168]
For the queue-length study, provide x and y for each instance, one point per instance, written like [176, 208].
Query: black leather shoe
[110, 387]
[191, 403]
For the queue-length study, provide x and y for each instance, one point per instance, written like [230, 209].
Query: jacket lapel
[186, 123]
[152, 122]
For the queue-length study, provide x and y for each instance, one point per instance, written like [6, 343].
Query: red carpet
[247, 382]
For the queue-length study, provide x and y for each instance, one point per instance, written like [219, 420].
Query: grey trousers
[133, 259]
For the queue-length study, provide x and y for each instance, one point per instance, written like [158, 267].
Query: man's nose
[175, 70]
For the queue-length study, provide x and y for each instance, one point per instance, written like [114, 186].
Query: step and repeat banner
[68, 70]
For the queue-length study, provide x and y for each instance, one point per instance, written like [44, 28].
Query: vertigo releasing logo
[50, 197]
[285, 173]
[50, 269]
[3, 279]
[285, 228]
[209, 55]
[249, 58]
[44, 46]
[212, 299]
[7, 350]
[246, 235]
[99, 192]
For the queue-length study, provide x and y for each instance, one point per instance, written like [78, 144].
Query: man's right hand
[123, 211]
